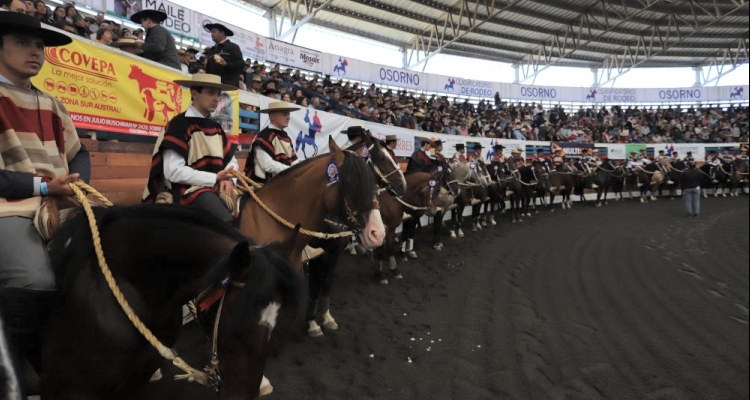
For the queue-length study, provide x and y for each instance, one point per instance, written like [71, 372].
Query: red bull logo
[87, 64]
[160, 97]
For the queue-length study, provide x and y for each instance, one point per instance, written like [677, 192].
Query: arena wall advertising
[106, 90]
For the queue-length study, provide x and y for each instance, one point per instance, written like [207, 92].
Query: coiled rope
[192, 374]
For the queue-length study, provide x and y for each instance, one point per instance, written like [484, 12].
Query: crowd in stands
[438, 114]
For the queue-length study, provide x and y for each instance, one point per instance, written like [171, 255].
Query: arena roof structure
[607, 36]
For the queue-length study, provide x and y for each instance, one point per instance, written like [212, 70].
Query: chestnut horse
[161, 256]
[321, 270]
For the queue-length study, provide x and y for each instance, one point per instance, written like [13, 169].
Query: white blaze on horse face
[268, 317]
[373, 234]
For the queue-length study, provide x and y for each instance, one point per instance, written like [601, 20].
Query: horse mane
[73, 244]
[270, 273]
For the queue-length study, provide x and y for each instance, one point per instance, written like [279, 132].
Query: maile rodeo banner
[108, 91]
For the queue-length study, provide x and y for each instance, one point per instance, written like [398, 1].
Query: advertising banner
[698, 150]
[571, 149]
[106, 90]
[405, 146]
[634, 147]
[616, 152]
[124, 8]
[251, 44]
[464, 87]
[293, 56]
[309, 129]
[180, 21]
[346, 68]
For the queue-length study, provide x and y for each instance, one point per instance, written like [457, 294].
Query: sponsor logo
[539, 93]
[308, 59]
[592, 94]
[450, 86]
[159, 97]
[399, 76]
[680, 94]
[278, 48]
[340, 68]
[736, 93]
[79, 62]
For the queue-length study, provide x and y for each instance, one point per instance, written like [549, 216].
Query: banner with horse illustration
[309, 129]
[104, 89]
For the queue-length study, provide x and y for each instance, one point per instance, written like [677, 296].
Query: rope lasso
[192, 374]
[245, 183]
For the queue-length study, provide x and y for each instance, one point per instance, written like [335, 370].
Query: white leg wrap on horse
[313, 330]
[328, 322]
[410, 246]
[156, 376]
[265, 387]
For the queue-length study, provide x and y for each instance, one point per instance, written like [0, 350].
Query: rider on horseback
[189, 166]
[460, 154]
[663, 162]
[517, 161]
[498, 157]
[542, 160]
[272, 150]
[420, 160]
[391, 141]
[689, 158]
[437, 145]
[476, 155]
[557, 159]
[41, 156]
[354, 135]
[714, 160]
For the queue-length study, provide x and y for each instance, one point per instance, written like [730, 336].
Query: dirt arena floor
[630, 301]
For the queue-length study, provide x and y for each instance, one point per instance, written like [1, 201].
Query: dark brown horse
[423, 197]
[161, 256]
[321, 270]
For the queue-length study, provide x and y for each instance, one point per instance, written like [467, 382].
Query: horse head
[356, 196]
[386, 170]
[261, 303]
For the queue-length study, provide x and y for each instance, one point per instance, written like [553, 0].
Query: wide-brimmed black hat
[437, 142]
[460, 146]
[355, 131]
[221, 27]
[13, 22]
[478, 146]
[154, 15]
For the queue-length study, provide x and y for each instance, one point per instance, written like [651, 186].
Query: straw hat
[154, 15]
[205, 80]
[124, 42]
[390, 138]
[279, 106]
[515, 151]
[12, 22]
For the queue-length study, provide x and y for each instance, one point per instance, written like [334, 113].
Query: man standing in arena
[273, 150]
[188, 162]
[225, 58]
[691, 190]
[41, 155]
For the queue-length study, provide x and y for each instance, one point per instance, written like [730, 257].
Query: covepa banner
[107, 90]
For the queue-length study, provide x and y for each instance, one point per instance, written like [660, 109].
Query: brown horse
[422, 195]
[321, 271]
[339, 183]
[161, 256]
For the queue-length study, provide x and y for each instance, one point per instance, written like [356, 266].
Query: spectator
[224, 58]
[42, 12]
[58, 15]
[159, 45]
[30, 7]
[104, 36]
[13, 5]
[128, 45]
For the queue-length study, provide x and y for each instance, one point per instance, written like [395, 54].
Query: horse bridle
[383, 181]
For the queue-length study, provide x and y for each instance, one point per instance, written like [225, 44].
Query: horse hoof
[484, 224]
[453, 234]
[156, 376]
[412, 254]
[330, 325]
[398, 276]
[265, 387]
[493, 223]
[598, 205]
[461, 233]
[437, 247]
[384, 282]
[315, 332]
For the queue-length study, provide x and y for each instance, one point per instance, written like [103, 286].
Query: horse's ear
[240, 256]
[287, 245]
[336, 152]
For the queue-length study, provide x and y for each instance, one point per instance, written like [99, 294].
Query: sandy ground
[630, 301]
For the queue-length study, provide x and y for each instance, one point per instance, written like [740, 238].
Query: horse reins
[191, 374]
